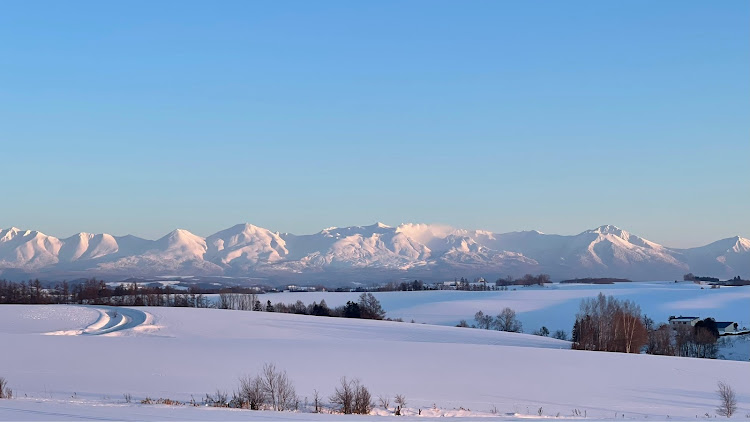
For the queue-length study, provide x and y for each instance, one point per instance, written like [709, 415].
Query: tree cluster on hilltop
[608, 324]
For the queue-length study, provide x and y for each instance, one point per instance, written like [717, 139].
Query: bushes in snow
[5, 391]
[351, 397]
[270, 389]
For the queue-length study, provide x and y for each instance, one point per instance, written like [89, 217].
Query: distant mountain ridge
[376, 253]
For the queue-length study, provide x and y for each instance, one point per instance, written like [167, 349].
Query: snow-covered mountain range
[376, 253]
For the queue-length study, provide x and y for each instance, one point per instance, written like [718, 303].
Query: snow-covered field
[99, 354]
[553, 306]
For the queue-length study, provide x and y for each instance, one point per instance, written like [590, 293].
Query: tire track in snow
[112, 319]
[115, 319]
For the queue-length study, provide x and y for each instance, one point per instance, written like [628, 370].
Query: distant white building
[726, 327]
[480, 283]
[683, 321]
[446, 285]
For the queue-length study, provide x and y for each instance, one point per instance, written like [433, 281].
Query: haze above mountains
[365, 253]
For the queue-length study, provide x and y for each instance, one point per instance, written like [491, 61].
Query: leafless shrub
[728, 400]
[316, 401]
[5, 391]
[352, 397]
[128, 397]
[362, 399]
[219, 399]
[384, 401]
[271, 388]
[251, 392]
[343, 396]
[278, 388]
[400, 400]
[168, 402]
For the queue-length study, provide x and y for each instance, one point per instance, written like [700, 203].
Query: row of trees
[506, 320]
[526, 280]
[97, 292]
[367, 307]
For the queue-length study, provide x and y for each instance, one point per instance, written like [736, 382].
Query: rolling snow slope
[368, 253]
[190, 352]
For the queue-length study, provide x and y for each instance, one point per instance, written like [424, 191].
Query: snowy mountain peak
[182, 244]
[609, 229]
[741, 245]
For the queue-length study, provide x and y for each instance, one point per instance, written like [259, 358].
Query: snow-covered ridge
[427, 250]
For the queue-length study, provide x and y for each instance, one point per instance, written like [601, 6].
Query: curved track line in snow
[112, 319]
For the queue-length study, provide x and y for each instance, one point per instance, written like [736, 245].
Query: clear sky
[141, 117]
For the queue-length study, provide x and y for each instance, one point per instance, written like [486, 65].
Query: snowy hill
[375, 252]
[444, 371]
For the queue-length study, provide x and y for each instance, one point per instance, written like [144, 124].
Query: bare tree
[343, 396]
[384, 401]
[370, 307]
[5, 391]
[630, 332]
[362, 399]
[400, 400]
[607, 324]
[316, 401]
[483, 321]
[278, 388]
[728, 404]
[660, 341]
[251, 392]
[506, 321]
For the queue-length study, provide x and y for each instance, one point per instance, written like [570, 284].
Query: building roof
[683, 318]
[723, 324]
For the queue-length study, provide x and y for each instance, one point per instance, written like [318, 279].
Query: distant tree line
[526, 280]
[600, 280]
[97, 292]
[736, 281]
[367, 307]
[691, 277]
[404, 286]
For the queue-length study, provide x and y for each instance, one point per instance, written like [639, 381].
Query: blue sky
[141, 117]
